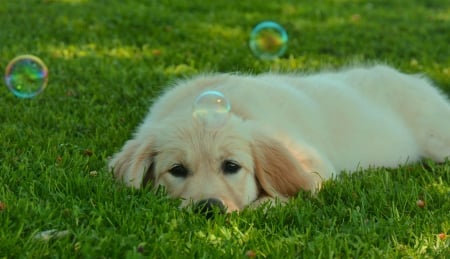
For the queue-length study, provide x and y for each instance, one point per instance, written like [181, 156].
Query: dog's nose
[209, 206]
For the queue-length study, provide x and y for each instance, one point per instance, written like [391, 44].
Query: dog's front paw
[268, 202]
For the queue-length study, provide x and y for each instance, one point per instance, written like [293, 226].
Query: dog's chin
[211, 204]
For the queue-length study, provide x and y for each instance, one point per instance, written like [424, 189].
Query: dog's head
[231, 166]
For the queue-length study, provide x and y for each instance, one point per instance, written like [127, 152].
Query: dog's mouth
[210, 206]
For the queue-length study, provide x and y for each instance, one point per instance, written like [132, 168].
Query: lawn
[108, 59]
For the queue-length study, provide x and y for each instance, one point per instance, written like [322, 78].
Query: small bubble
[26, 76]
[268, 40]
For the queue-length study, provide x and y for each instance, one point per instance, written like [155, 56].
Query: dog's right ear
[133, 165]
[281, 172]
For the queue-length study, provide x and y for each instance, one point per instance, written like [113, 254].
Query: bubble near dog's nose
[209, 207]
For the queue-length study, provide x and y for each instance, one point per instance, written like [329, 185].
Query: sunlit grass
[66, 1]
[93, 50]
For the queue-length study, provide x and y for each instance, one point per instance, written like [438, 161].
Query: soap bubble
[212, 108]
[268, 40]
[26, 76]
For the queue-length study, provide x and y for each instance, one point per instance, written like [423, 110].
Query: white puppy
[285, 133]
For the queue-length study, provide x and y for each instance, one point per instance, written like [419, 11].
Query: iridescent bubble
[211, 108]
[268, 40]
[26, 76]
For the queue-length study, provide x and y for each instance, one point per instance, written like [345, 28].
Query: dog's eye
[178, 171]
[230, 167]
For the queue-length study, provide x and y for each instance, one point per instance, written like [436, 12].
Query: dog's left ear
[282, 172]
[133, 165]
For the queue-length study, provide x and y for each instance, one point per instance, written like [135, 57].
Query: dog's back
[358, 117]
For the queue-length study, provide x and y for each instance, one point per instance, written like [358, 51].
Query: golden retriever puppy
[284, 133]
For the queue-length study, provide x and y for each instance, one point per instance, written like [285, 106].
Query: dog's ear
[281, 172]
[133, 164]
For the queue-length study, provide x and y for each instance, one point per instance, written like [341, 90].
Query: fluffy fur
[285, 133]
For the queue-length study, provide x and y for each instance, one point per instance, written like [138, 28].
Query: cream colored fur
[287, 132]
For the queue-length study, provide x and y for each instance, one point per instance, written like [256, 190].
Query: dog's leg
[424, 109]
[428, 116]
[432, 125]
[436, 140]
[268, 201]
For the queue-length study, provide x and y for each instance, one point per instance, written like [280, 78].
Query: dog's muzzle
[210, 206]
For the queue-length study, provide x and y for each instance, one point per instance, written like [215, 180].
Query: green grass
[108, 59]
